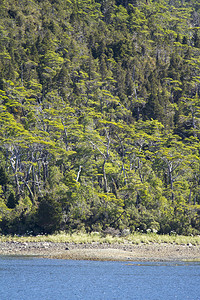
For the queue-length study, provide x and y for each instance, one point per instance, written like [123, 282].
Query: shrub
[49, 214]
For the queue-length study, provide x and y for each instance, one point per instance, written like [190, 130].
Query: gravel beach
[97, 251]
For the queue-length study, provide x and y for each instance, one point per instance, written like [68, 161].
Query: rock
[45, 245]
[125, 232]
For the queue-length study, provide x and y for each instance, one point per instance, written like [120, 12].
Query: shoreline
[102, 251]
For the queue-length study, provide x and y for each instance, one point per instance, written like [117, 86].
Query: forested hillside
[99, 115]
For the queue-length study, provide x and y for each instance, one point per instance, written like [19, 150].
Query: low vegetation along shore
[104, 247]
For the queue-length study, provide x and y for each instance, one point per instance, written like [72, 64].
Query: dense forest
[99, 116]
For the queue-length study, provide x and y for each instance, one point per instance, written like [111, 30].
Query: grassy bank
[83, 238]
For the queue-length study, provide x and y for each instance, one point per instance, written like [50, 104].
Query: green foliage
[3, 177]
[99, 115]
[49, 215]
[12, 201]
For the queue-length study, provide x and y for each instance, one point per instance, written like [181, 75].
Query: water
[45, 279]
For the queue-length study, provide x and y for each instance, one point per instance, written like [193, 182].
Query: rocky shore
[97, 251]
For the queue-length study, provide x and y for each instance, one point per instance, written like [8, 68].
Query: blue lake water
[46, 279]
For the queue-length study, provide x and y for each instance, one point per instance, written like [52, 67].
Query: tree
[49, 215]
